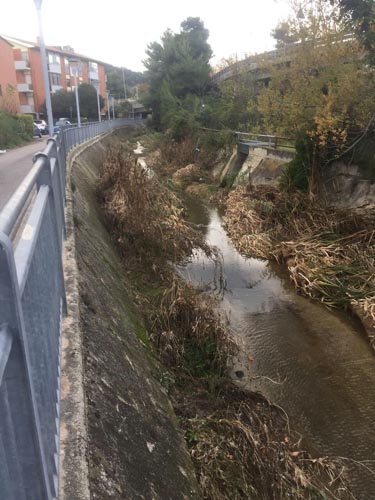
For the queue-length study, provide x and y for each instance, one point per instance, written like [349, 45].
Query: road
[14, 165]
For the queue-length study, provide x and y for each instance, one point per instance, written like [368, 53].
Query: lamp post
[113, 107]
[43, 55]
[75, 70]
[98, 99]
[108, 107]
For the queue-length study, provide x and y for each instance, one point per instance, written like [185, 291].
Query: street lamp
[113, 107]
[75, 69]
[96, 85]
[108, 107]
[43, 55]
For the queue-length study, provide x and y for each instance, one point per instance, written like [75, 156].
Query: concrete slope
[135, 450]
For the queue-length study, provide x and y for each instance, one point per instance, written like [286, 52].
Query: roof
[5, 39]
[31, 45]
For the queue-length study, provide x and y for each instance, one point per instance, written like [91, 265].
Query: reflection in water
[324, 363]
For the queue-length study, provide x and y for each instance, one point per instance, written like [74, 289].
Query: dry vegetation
[330, 253]
[240, 444]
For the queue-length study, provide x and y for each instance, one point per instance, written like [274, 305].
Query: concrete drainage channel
[119, 433]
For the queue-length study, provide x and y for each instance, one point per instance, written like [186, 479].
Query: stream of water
[315, 363]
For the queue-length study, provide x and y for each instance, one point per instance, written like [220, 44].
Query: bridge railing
[245, 140]
[32, 304]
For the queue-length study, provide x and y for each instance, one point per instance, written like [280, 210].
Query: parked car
[42, 125]
[61, 123]
[36, 131]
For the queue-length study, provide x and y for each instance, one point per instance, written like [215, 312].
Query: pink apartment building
[21, 68]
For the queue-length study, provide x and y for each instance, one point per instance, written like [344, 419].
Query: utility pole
[76, 69]
[43, 54]
[98, 99]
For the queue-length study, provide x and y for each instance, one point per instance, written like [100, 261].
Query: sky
[118, 32]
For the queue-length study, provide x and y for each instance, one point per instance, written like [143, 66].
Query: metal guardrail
[246, 140]
[32, 304]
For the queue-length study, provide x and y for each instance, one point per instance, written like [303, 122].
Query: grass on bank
[240, 444]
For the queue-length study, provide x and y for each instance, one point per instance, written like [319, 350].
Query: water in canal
[322, 364]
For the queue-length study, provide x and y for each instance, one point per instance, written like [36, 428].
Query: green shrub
[14, 129]
[25, 126]
[181, 124]
[218, 140]
[295, 176]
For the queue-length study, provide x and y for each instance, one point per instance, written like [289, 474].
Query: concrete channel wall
[120, 432]
[261, 166]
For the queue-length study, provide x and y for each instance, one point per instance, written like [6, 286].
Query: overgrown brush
[240, 444]
[143, 214]
[330, 253]
[189, 334]
[242, 448]
[146, 220]
[178, 154]
[192, 150]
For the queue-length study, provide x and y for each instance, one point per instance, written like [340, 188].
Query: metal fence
[32, 304]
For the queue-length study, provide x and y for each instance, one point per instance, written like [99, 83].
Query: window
[53, 58]
[55, 79]
[67, 66]
[25, 57]
[93, 66]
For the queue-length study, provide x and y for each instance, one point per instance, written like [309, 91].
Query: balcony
[24, 87]
[27, 108]
[21, 65]
[54, 68]
[55, 88]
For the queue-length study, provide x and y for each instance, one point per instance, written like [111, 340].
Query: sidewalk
[14, 165]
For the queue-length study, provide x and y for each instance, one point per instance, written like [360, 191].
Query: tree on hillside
[360, 16]
[325, 93]
[178, 72]
[116, 77]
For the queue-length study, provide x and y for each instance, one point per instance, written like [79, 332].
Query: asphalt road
[14, 165]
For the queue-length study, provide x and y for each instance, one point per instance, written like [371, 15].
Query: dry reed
[330, 253]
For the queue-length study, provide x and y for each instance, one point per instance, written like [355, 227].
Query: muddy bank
[135, 448]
